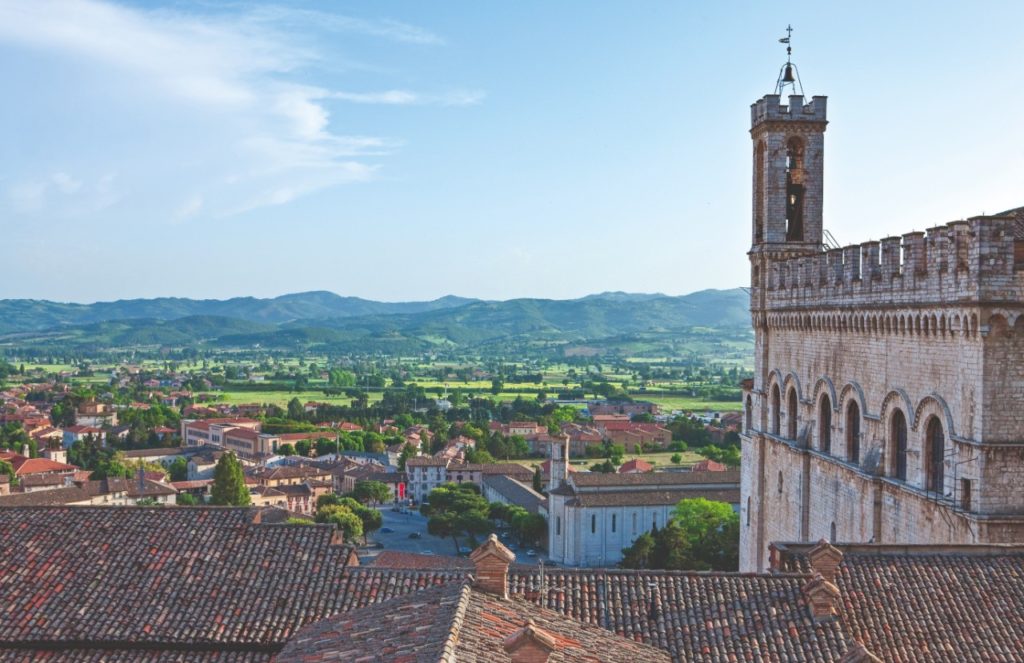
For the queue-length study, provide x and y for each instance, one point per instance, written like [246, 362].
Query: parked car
[415, 535]
[531, 553]
[386, 530]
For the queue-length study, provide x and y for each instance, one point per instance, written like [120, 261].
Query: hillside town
[826, 466]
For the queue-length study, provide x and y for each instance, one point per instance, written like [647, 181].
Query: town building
[594, 516]
[888, 375]
[427, 473]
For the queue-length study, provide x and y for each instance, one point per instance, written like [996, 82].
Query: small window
[780, 482]
[965, 494]
[936, 456]
[613, 523]
[654, 520]
[748, 512]
[776, 406]
[593, 524]
[832, 533]
[791, 408]
[853, 432]
[634, 522]
[558, 526]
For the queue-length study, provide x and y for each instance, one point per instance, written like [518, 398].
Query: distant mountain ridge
[351, 324]
[37, 315]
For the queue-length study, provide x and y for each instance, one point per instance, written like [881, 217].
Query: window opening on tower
[794, 190]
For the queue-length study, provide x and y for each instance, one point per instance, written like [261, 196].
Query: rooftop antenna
[789, 75]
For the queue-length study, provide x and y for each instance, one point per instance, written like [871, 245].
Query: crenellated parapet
[769, 109]
[960, 262]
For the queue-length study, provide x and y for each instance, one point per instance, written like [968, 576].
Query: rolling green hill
[353, 325]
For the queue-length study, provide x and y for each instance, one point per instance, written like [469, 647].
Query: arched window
[748, 512]
[832, 532]
[935, 443]
[791, 414]
[794, 190]
[759, 158]
[853, 432]
[780, 482]
[749, 414]
[825, 425]
[898, 444]
[776, 406]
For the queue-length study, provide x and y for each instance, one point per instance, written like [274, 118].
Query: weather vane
[789, 75]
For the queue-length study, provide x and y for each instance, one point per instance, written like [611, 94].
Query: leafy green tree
[229, 483]
[370, 518]
[186, 499]
[286, 449]
[295, 409]
[456, 509]
[303, 447]
[538, 479]
[497, 385]
[712, 532]
[375, 492]
[638, 555]
[8, 469]
[676, 459]
[178, 469]
[343, 518]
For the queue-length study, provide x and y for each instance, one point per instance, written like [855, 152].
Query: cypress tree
[229, 483]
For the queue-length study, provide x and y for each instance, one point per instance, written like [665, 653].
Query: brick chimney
[491, 560]
[822, 597]
[530, 644]
[859, 654]
[825, 559]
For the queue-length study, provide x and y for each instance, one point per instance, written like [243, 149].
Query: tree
[229, 483]
[8, 469]
[538, 479]
[178, 469]
[370, 518]
[343, 518]
[303, 447]
[712, 531]
[456, 509]
[638, 555]
[676, 459]
[295, 409]
[186, 499]
[376, 492]
[286, 449]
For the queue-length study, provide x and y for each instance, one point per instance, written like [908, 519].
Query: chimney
[825, 559]
[491, 561]
[530, 644]
[858, 654]
[822, 597]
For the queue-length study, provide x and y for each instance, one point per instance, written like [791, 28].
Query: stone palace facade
[887, 403]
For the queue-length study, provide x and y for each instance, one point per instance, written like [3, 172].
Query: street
[404, 524]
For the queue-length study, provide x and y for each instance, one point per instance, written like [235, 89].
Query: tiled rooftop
[454, 622]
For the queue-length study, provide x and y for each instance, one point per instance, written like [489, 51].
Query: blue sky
[408, 150]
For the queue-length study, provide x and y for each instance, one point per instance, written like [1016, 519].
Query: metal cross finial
[786, 40]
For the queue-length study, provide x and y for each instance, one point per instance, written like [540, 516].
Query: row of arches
[836, 427]
[934, 324]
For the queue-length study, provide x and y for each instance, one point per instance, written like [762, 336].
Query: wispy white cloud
[61, 194]
[383, 28]
[234, 81]
[407, 98]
